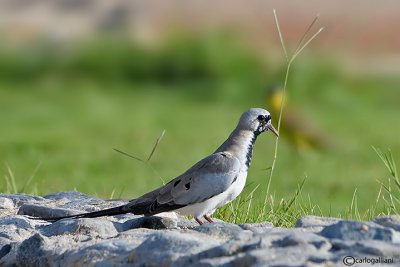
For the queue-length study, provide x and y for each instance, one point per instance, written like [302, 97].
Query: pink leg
[198, 220]
[208, 218]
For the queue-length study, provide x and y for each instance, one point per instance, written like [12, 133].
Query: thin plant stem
[289, 61]
[156, 145]
[307, 43]
[281, 36]
[306, 32]
[147, 161]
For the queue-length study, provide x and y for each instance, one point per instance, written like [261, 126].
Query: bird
[209, 184]
[295, 128]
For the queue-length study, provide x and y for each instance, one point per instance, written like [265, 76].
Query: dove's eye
[261, 118]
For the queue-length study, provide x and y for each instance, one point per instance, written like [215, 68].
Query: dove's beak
[272, 129]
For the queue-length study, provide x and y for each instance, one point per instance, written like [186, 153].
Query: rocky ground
[130, 240]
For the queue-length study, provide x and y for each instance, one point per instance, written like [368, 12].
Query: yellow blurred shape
[296, 129]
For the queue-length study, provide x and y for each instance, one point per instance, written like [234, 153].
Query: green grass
[58, 133]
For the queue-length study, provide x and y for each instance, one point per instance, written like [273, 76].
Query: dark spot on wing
[234, 179]
[224, 155]
[176, 183]
[187, 186]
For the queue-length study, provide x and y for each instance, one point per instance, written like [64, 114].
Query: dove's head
[257, 120]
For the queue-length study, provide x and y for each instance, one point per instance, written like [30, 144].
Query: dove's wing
[209, 177]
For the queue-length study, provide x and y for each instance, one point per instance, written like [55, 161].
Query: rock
[372, 247]
[31, 252]
[19, 199]
[136, 236]
[222, 230]
[38, 211]
[8, 253]
[279, 256]
[17, 228]
[257, 228]
[6, 203]
[297, 238]
[73, 200]
[4, 250]
[229, 248]
[113, 252]
[69, 195]
[19, 222]
[168, 239]
[186, 224]
[392, 221]
[165, 248]
[358, 231]
[87, 205]
[93, 228]
[315, 223]
[151, 222]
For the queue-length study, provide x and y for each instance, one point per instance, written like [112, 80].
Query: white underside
[210, 205]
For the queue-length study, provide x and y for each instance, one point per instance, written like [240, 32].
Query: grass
[59, 131]
[286, 211]
[75, 149]
[392, 187]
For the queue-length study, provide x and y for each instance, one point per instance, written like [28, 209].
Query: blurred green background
[70, 93]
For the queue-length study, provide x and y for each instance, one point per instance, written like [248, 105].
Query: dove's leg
[198, 220]
[208, 218]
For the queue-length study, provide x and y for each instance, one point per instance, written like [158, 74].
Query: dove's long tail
[107, 212]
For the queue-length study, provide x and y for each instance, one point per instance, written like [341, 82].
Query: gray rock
[19, 222]
[218, 261]
[4, 250]
[165, 248]
[372, 247]
[227, 249]
[315, 223]
[39, 250]
[392, 221]
[279, 256]
[19, 199]
[257, 228]
[82, 202]
[297, 238]
[31, 252]
[357, 231]
[86, 205]
[223, 231]
[113, 252]
[151, 222]
[136, 236]
[17, 228]
[8, 253]
[44, 211]
[132, 240]
[93, 228]
[6, 203]
[68, 195]
[187, 224]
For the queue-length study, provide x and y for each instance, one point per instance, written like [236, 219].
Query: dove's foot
[208, 218]
[198, 220]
